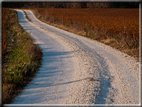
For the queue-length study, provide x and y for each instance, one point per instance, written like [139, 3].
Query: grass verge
[22, 60]
[120, 41]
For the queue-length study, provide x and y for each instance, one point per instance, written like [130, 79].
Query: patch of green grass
[68, 24]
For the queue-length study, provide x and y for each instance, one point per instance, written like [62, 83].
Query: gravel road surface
[78, 70]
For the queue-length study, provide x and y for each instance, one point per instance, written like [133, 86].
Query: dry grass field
[118, 28]
[114, 20]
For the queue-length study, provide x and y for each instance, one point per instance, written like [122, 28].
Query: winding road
[77, 70]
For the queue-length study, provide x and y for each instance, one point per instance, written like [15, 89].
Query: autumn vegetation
[118, 28]
[115, 24]
[114, 20]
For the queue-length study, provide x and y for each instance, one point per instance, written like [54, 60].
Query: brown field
[118, 28]
[115, 21]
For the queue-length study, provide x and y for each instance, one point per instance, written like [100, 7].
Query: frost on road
[77, 70]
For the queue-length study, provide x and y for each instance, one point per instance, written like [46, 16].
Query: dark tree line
[70, 4]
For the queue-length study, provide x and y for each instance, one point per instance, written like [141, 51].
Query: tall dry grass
[118, 28]
[115, 20]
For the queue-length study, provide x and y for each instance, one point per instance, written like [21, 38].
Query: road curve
[78, 70]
